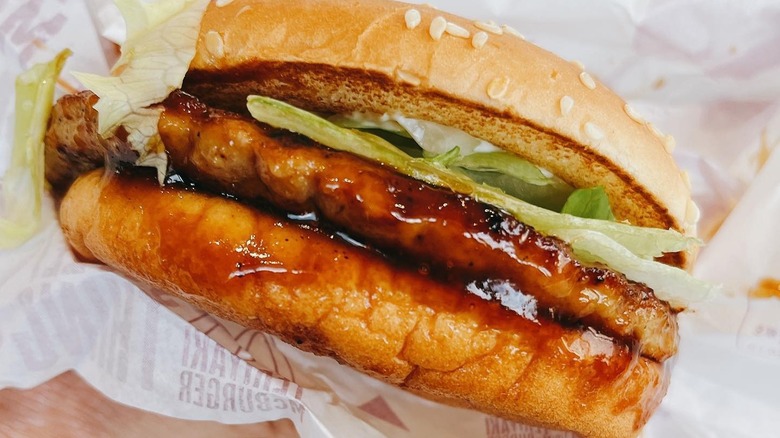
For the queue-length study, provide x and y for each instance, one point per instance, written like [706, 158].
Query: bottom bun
[331, 298]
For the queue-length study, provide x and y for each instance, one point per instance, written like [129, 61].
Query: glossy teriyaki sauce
[265, 265]
[447, 235]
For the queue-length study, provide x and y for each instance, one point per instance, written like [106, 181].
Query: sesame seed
[587, 80]
[633, 114]
[498, 87]
[221, 3]
[578, 64]
[567, 103]
[593, 131]
[669, 143]
[488, 27]
[246, 8]
[408, 77]
[511, 30]
[455, 30]
[412, 18]
[479, 40]
[438, 26]
[214, 44]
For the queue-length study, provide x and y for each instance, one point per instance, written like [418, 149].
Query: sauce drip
[766, 288]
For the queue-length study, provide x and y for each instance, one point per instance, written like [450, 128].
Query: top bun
[383, 56]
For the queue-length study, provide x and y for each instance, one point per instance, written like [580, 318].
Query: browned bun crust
[362, 56]
[355, 306]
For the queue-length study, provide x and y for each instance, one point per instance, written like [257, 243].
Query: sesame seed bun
[381, 56]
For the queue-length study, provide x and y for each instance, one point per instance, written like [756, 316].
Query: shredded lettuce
[615, 240]
[516, 177]
[478, 159]
[506, 163]
[644, 242]
[669, 283]
[551, 196]
[437, 139]
[23, 182]
[433, 138]
[359, 120]
[161, 40]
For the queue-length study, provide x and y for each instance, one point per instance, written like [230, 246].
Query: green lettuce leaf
[161, 40]
[480, 160]
[668, 283]
[364, 121]
[516, 177]
[506, 163]
[23, 182]
[590, 203]
[615, 239]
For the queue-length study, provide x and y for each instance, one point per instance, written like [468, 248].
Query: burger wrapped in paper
[428, 199]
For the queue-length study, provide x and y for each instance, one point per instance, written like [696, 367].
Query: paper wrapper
[708, 73]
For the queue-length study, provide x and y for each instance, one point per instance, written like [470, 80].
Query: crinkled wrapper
[706, 72]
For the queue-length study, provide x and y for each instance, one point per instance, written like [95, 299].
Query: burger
[428, 199]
